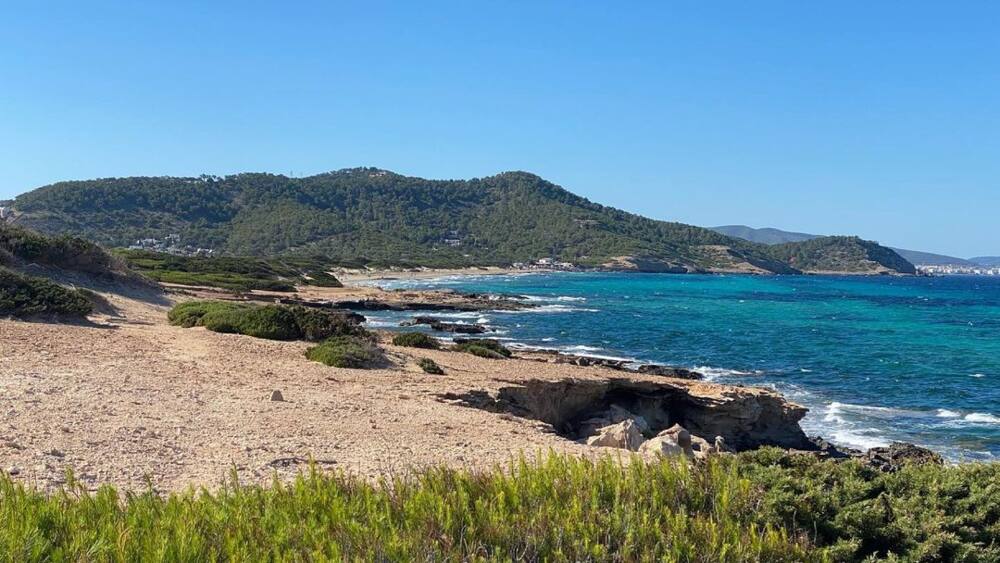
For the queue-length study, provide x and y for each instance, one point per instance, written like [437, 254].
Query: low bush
[920, 513]
[275, 322]
[483, 347]
[416, 340]
[430, 366]
[347, 352]
[25, 296]
[68, 253]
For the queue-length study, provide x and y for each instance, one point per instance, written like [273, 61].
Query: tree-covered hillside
[374, 217]
[841, 254]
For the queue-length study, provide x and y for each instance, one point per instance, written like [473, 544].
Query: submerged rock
[441, 326]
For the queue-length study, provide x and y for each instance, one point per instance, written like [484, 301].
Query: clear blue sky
[874, 118]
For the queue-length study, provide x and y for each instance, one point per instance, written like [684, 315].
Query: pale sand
[135, 397]
[129, 398]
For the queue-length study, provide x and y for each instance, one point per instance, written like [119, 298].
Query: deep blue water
[875, 359]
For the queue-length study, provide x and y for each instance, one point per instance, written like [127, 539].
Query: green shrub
[430, 366]
[275, 322]
[483, 347]
[189, 313]
[416, 340]
[319, 324]
[920, 513]
[270, 321]
[25, 296]
[68, 253]
[347, 352]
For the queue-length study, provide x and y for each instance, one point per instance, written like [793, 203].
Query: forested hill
[375, 217]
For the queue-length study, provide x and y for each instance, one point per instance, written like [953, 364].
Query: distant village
[170, 244]
[957, 270]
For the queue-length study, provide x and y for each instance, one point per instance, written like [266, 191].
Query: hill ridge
[372, 216]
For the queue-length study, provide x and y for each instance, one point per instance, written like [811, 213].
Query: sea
[874, 359]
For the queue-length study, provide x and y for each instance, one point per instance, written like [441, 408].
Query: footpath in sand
[128, 399]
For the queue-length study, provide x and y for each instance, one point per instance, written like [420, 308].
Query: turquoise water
[875, 359]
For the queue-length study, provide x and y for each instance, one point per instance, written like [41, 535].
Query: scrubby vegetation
[232, 273]
[374, 217]
[275, 322]
[24, 246]
[765, 506]
[416, 340]
[483, 347]
[839, 254]
[25, 296]
[430, 366]
[348, 352]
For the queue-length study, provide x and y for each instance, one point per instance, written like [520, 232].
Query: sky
[880, 119]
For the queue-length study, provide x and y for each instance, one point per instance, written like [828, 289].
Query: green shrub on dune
[347, 352]
[416, 340]
[25, 296]
[274, 322]
[483, 347]
[430, 366]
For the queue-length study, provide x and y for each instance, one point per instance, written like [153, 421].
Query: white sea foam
[568, 298]
[862, 439]
[982, 418]
[582, 348]
[554, 308]
[711, 373]
[977, 375]
[945, 413]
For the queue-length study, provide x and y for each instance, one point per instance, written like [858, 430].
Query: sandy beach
[128, 399]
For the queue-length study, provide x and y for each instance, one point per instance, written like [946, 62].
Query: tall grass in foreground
[558, 509]
[757, 506]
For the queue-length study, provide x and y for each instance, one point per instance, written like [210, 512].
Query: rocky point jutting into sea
[875, 360]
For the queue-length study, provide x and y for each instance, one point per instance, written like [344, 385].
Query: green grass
[274, 322]
[347, 352]
[765, 506]
[483, 347]
[430, 366]
[25, 296]
[232, 273]
[416, 340]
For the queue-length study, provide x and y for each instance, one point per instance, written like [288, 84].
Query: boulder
[675, 440]
[700, 447]
[661, 446]
[899, 454]
[625, 435]
[620, 414]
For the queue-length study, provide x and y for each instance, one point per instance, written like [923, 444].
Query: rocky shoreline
[625, 429]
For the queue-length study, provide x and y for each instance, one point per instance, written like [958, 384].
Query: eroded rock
[624, 435]
[744, 417]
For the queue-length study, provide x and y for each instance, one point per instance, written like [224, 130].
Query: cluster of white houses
[958, 270]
